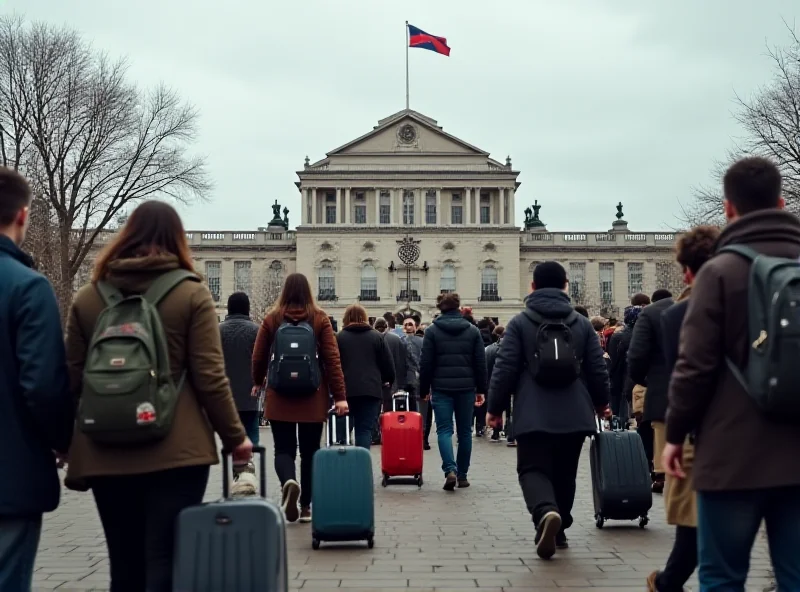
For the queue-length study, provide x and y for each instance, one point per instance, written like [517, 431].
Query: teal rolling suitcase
[342, 494]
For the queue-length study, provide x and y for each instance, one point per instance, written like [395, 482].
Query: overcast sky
[596, 101]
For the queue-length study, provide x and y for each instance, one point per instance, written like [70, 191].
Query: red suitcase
[401, 447]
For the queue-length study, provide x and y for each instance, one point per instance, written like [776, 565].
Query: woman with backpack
[144, 468]
[368, 366]
[297, 344]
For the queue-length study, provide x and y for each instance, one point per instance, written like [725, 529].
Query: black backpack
[555, 363]
[772, 373]
[294, 363]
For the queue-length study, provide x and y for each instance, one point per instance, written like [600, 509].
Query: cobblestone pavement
[479, 538]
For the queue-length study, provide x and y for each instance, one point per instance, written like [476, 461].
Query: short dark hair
[15, 194]
[752, 183]
[581, 310]
[389, 318]
[381, 324]
[485, 323]
[696, 246]
[448, 302]
[417, 319]
[498, 332]
[640, 299]
[550, 274]
[239, 303]
[661, 294]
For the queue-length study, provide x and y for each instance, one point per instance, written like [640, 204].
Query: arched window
[489, 284]
[327, 282]
[369, 283]
[447, 281]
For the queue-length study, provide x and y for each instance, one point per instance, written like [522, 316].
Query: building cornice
[363, 229]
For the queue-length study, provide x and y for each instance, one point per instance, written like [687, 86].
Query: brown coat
[205, 404]
[736, 447]
[311, 409]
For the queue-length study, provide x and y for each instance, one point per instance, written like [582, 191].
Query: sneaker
[479, 433]
[450, 482]
[658, 483]
[651, 582]
[549, 526]
[511, 444]
[561, 540]
[245, 484]
[289, 496]
[426, 446]
[305, 515]
[463, 483]
[495, 436]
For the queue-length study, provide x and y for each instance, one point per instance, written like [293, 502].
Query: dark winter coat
[366, 361]
[397, 348]
[413, 344]
[646, 363]
[453, 358]
[737, 448]
[238, 333]
[568, 410]
[621, 383]
[491, 358]
[36, 409]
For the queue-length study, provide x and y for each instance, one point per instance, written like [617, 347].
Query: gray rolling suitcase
[232, 545]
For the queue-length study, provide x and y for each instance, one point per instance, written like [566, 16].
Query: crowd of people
[686, 370]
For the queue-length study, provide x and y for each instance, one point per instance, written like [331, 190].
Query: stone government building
[409, 188]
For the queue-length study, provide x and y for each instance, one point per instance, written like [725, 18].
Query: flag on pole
[419, 38]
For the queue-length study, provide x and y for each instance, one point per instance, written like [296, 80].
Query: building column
[394, 200]
[501, 203]
[347, 211]
[476, 205]
[467, 206]
[511, 206]
[419, 213]
[439, 218]
[339, 204]
[312, 197]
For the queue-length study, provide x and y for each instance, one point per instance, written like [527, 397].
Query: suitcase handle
[331, 425]
[401, 395]
[227, 471]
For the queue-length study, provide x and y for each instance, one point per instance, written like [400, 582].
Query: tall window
[213, 278]
[489, 284]
[360, 209]
[447, 281]
[606, 284]
[369, 283]
[242, 276]
[275, 279]
[669, 276]
[330, 208]
[412, 294]
[385, 212]
[456, 210]
[577, 282]
[327, 283]
[485, 209]
[408, 207]
[635, 278]
[430, 207]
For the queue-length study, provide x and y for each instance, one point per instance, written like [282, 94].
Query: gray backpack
[772, 373]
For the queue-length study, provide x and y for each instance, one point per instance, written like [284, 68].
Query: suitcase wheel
[315, 543]
[599, 521]
[419, 480]
[385, 480]
[370, 542]
[643, 521]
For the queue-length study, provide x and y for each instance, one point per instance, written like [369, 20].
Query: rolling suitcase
[401, 451]
[232, 545]
[342, 493]
[621, 483]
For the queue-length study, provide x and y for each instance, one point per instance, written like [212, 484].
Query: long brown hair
[296, 293]
[354, 314]
[154, 228]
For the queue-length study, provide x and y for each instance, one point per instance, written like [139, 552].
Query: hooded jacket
[366, 361]
[238, 333]
[568, 410]
[453, 359]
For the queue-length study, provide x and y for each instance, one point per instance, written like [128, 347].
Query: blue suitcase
[232, 545]
[343, 493]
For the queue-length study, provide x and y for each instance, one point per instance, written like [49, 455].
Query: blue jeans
[19, 541]
[364, 413]
[251, 424]
[728, 522]
[445, 406]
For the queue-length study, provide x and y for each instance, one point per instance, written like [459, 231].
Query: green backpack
[128, 395]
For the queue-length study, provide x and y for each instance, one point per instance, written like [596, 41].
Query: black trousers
[480, 416]
[288, 437]
[682, 561]
[547, 467]
[428, 422]
[645, 431]
[138, 514]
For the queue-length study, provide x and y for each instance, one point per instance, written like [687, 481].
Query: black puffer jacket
[453, 358]
[646, 363]
[366, 361]
[621, 383]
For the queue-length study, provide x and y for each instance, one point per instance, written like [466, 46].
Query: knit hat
[631, 314]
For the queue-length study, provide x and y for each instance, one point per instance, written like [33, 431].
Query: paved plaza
[479, 538]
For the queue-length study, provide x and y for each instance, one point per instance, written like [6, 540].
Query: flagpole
[407, 43]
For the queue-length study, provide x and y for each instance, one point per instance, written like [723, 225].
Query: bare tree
[91, 143]
[266, 288]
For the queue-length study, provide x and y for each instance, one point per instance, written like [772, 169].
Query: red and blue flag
[419, 38]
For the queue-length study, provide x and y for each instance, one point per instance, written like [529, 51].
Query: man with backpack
[36, 409]
[552, 361]
[736, 385]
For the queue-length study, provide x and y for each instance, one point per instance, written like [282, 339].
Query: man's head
[448, 302]
[640, 299]
[549, 274]
[661, 294]
[598, 323]
[15, 202]
[409, 325]
[581, 310]
[497, 333]
[381, 325]
[751, 184]
[389, 318]
[238, 304]
[695, 248]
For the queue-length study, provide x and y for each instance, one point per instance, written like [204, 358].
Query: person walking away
[556, 398]
[397, 348]
[694, 248]
[36, 409]
[745, 465]
[413, 344]
[491, 358]
[453, 371]
[297, 414]
[485, 326]
[647, 367]
[238, 334]
[618, 345]
[144, 475]
[367, 367]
